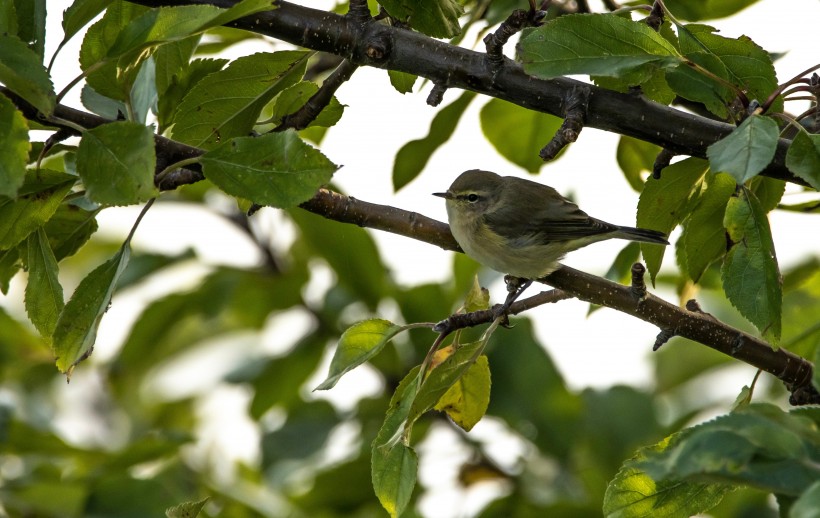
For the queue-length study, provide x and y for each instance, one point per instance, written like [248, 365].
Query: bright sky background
[599, 351]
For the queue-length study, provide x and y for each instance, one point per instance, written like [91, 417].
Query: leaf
[436, 18]
[703, 239]
[172, 59]
[634, 158]
[76, 329]
[226, 104]
[102, 74]
[757, 445]
[532, 130]
[666, 202]
[808, 504]
[31, 24]
[803, 157]
[69, 228]
[440, 378]
[466, 401]
[633, 493]
[358, 343]
[393, 463]
[413, 156]
[293, 98]
[594, 44]
[402, 81]
[186, 509]
[706, 9]
[22, 71]
[277, 169]
[173, 23]
[116, 162]
[79, 14]
[171, 97]
[751, 277]
[746, 64]
[747, 150]
[44, 295]
[696, 86]
[36, 202]
[477, 298]
[14, 148]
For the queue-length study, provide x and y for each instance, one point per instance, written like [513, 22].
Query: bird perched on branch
[522, 228]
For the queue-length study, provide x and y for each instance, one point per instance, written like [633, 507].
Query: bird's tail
[642, 234]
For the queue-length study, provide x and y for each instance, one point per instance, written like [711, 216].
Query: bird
[523, 228]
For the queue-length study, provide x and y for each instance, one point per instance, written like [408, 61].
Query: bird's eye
[472, 197]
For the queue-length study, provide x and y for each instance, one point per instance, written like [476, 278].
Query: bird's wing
[541, 215]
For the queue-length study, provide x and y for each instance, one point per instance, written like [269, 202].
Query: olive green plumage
[521, 227]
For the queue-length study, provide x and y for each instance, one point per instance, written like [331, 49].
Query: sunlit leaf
[402, 81]
[467, 399]
[358, 343]
[186, 509]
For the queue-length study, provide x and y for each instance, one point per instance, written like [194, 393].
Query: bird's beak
[445, 195]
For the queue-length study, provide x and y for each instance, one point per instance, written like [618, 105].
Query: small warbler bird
[523, 228]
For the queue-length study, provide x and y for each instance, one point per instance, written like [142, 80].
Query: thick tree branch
[694, 324]
[383, 46]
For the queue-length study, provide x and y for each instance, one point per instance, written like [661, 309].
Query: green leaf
[226, 104]
[703, 239]
[634, 158]
[174, 23]
[172, 95]
[466, 401]
[808, 504]
[413, 156]
[768, 191]
[747, 150]
[14, 148]
[171, 60]
[532, 130]
[436, 18]
[76, 329]
[36, 202]
[696, 86]
[393, 463]
[31, 24]
[358, 343]
[744, 63]
[116, 162]
[666, 202]
[103, 75]
[44, 295]
[402, 81]
[751, 278]
[69, 228]
[477, 298]
[594, 44]
[440, 378]
[633, 493]
[350, 251]
[803, 157]
[22, 71]
[186, 509]
[293, 98]
[79, 14]
[277, 169]
[706, 9]
[757, 445]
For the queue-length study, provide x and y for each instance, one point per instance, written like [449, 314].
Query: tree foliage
[163, 122]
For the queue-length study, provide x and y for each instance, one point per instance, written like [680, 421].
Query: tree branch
[694, 324]
[387, 47]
